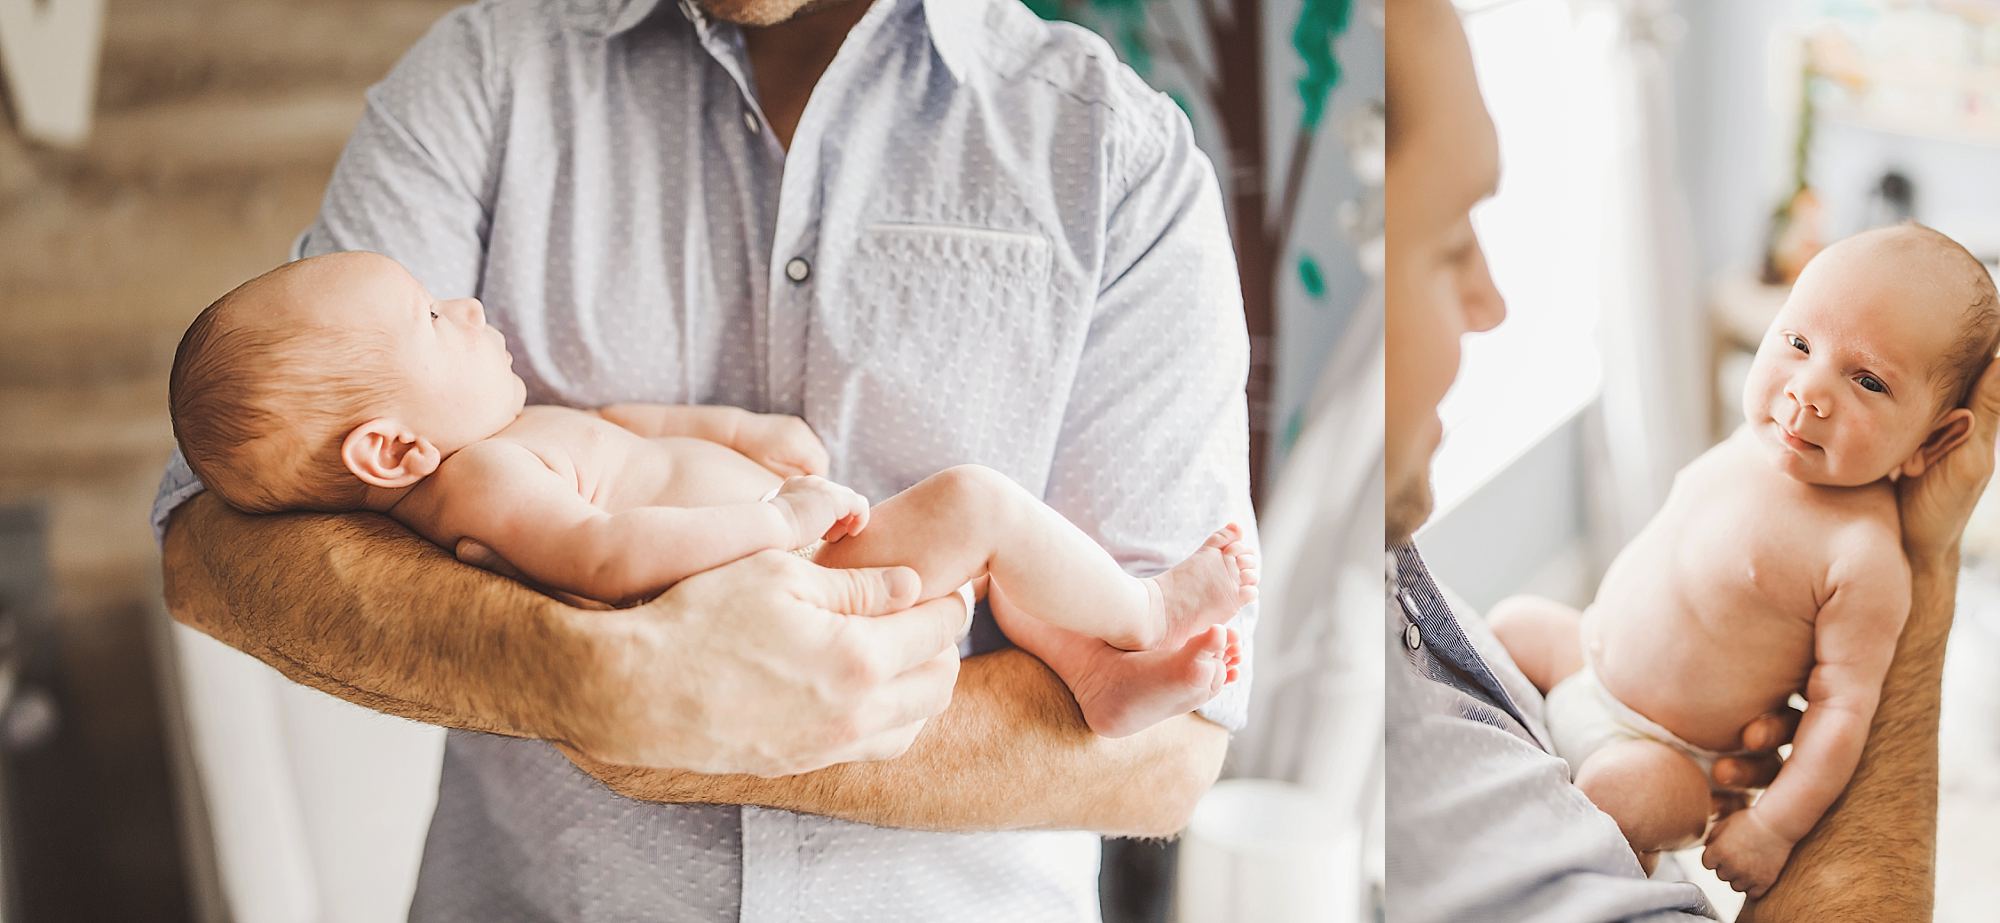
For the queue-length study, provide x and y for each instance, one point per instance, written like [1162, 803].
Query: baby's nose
[472, 309]
[1807, 399]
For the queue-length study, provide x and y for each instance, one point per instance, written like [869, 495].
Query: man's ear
[1947, 435]
[385, 453]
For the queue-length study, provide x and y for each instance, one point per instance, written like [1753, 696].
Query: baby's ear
[1945, 436]
[385, 453]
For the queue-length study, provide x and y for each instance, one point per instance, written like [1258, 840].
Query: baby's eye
[1797, 342]
[1873, 384]
[434, 315]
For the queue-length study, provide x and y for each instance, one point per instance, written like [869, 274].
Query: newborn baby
[339, 383]
[1775, 565]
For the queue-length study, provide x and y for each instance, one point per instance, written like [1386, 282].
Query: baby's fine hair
[297, 391]
[1979, 325]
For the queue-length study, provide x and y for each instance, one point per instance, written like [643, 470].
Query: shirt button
[1412, 638]
[798, 270]
[750, 122]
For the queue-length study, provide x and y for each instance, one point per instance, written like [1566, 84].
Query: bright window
[1524, 379]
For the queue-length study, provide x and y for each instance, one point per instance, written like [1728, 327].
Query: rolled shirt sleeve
[1154, 449]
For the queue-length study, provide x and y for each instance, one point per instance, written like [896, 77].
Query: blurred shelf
[1971, 132]
[1740, 309]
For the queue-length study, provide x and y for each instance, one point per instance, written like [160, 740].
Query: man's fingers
[899, 641]
[1723, 803]
[859, 590]
[1769, 732]
[1985, 401]
[1750, 770]
[897, 712]
[887, 745]
[914, 696]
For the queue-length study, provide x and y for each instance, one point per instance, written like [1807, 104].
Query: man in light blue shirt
[1483, 823]
[941, 231]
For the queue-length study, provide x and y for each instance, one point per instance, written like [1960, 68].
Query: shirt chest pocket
[944, 344]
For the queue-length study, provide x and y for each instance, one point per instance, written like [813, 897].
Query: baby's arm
[783, 444]
[1854, 640]
[502, 496]
[696, 421]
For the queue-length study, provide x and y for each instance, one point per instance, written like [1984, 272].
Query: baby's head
[1863, 371]
[332, 382]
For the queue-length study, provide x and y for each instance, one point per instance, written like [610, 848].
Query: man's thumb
[1985, 401]
[869, 590]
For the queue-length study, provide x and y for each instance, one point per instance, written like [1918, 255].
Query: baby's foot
[1124, 692]
[1218, 579]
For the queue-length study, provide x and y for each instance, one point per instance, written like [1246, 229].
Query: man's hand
[770, 666]
[1737, 775]
[782, 443]
[820, 510]
[1936, 505]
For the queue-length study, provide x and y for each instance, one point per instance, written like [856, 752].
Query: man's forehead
[1444, 140]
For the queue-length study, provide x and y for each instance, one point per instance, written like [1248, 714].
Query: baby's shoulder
[1866, 547]
[563, 437]
[494, 464]
[552, 416]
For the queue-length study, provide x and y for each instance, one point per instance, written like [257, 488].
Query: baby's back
[1706, 619]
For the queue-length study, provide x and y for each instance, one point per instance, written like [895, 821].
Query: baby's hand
[1746, 852]
[820, 509]
[783, 444]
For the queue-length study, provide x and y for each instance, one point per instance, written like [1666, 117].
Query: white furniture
[316, 808]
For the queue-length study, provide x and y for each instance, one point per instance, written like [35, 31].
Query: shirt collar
[956, 27]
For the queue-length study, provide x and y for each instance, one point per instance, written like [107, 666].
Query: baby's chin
[1813, 468]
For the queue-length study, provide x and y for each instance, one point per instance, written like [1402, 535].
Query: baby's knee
[973, 491]
[1523, 614]
[1655, 792]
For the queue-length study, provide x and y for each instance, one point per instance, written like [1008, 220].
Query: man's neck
[787, 60]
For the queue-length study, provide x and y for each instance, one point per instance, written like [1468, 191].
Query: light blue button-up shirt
[1483, 821]
[989, 242]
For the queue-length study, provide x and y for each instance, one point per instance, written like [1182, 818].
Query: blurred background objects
[210, 132]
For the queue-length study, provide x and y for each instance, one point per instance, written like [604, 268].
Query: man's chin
[1408, 508]
[759, 13]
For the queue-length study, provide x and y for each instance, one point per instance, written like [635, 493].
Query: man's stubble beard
[1408, 507]
[758, 13]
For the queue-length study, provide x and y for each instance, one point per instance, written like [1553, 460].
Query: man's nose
[1483, 305]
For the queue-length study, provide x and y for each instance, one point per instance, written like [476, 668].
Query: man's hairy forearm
[1010, 753]
[1873, 857]
[356, 606]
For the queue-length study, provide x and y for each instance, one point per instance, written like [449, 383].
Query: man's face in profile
[1443, 159]
[763, 12]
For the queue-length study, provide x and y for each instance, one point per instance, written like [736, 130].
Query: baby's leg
[1124, 692]
[1658, 796]
[966, 521]
[1544, 637]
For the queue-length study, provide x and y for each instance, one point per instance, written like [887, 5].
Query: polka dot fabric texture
[989, 242]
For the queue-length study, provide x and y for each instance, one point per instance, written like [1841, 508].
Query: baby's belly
[688, 473]
[1697, 654]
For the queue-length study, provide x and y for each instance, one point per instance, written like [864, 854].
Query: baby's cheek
[1873, 447]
